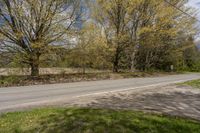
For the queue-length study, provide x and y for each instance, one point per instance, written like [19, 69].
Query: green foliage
[145, 34]
[8, 80]
[189, 57]
[91, 50]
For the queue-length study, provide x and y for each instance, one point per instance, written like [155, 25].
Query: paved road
[24, 97]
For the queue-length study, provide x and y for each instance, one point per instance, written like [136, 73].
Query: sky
[195, 4]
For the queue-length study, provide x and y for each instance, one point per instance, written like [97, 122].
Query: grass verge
[93, 121]
[194, 83]
[6, 81]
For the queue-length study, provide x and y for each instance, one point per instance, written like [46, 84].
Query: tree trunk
[83, 69]
[133, 62]
[34, 63]
[115, 67]
[34, 70]
[116, 63]
[133, 56]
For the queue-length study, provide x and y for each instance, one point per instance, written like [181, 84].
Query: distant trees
[91, 50]
[190, 54]
[31, 27]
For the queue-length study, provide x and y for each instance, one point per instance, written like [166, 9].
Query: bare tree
[32, 27]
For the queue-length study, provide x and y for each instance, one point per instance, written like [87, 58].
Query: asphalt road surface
[24, 97]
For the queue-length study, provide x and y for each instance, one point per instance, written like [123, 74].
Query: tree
[91, 50]
[190, 55]
[143, 32]
[156, 28]
[32, 27]
[112, 15]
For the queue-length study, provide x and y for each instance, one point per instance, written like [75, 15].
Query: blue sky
[195, 4]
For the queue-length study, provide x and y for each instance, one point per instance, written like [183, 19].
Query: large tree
[31, 27]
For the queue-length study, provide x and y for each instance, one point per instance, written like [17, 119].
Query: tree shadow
[108, 121]
[172, 103]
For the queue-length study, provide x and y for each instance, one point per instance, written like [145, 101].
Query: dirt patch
[171, 100]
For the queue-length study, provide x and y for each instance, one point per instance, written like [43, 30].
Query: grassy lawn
[194, 83]
[93, 121]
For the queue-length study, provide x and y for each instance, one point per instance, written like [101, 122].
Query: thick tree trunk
[115, 67]
[34, 63]
[34, 70]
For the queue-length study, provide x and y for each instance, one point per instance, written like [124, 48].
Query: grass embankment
[93, 121]
[6, 81]
[194, 83]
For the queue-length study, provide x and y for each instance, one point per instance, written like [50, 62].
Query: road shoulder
[175, 100]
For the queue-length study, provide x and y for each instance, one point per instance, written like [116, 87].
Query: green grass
[93, 121]
[8, 80]
[194, 83]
